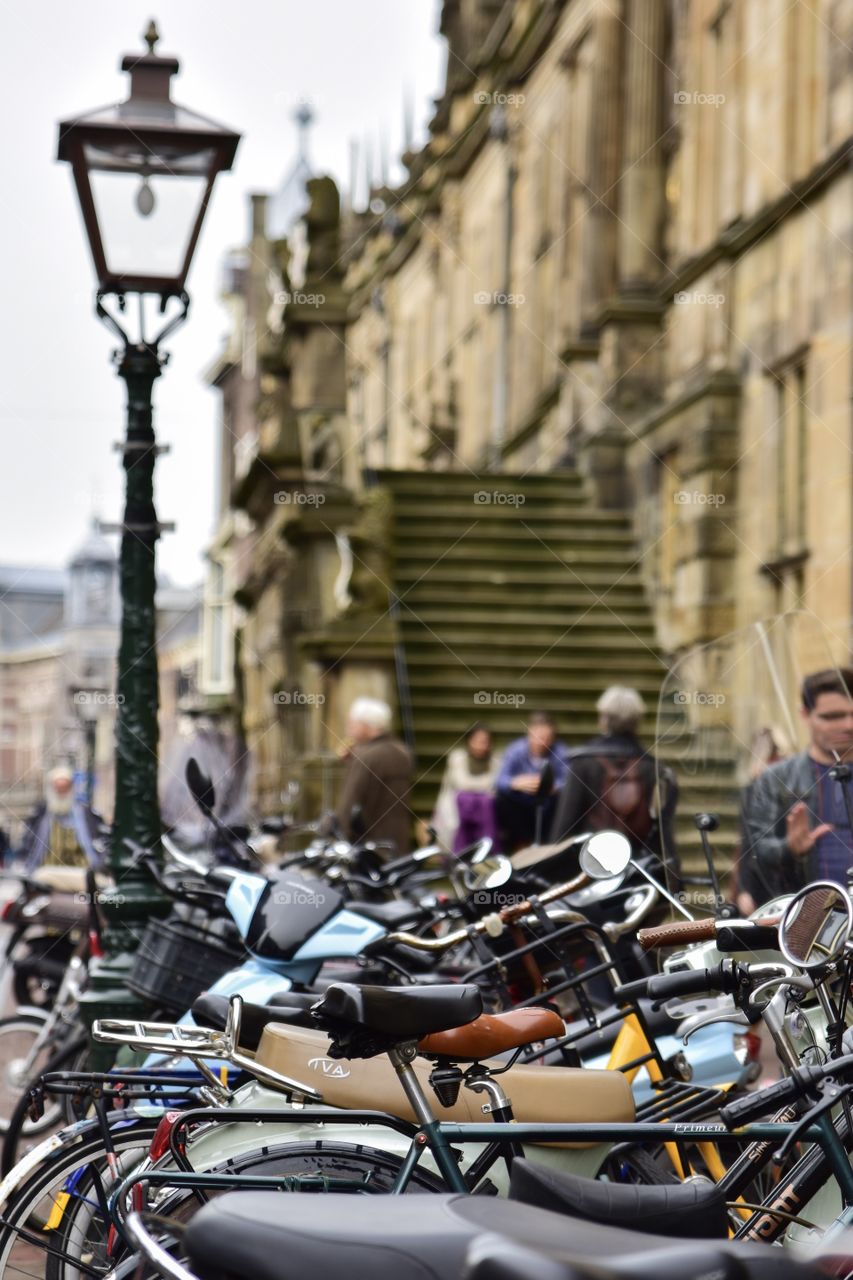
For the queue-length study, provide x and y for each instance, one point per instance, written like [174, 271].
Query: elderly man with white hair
[378, 778]
[614, 782]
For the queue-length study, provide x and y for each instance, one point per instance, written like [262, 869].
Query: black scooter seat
[287, 1006]
[400, 1014]
[393, 915]
[263, 1235]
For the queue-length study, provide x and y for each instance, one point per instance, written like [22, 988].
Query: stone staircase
[529, 599]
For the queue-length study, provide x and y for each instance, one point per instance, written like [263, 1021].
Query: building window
[791, 431]
[217, 656]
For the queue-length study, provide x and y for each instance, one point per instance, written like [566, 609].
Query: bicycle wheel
[18, 1035]
[21, 1133]
[84, 1233]
[40, 1205]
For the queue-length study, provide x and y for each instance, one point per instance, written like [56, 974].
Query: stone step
[539, 515]
[474, 613]
[556, 597]
[504, 537]
[571, 667]
[513, 644]
[421, 484]
[548, 572]
[455, 682]
[571, 560]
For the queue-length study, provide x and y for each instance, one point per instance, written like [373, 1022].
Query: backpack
[623, 804]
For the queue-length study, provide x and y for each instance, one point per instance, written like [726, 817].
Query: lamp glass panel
[145, 218]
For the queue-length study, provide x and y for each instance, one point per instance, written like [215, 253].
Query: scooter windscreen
[727, 712]
[288, 912]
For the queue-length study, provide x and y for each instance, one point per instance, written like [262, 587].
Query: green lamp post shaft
[137, 811]
[128, 907]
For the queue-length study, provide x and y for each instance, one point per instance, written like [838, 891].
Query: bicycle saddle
[493, 1033]
[391, 1015]
[493, 1258]
[291, 1007]
[683, 1209]
[263, 1235]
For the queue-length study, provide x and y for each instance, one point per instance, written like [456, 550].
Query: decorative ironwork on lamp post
[144, 171]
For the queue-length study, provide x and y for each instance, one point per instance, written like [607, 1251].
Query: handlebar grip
[676, 932]
[631, 991]
[739, 935]
[753, 1105]
[692, 982]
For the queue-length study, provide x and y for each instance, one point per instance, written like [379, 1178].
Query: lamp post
[144, 171]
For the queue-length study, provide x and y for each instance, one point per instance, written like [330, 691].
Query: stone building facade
[59, 633]
[624, 251]
[627, 246]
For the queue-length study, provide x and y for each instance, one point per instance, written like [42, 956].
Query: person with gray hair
[614, 783]
[620, 710]
[374, 800]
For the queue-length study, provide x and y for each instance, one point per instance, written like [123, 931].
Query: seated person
[465, 809]
[539, 757]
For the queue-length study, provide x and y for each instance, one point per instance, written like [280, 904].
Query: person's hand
[526, 782]
[801, 838]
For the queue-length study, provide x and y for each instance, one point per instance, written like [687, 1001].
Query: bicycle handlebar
[800, 1081]
[679, 932]
[496, 920]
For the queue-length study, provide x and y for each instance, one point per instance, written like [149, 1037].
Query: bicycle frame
[439, 1138]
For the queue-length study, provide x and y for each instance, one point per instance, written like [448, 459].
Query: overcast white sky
[246, 65]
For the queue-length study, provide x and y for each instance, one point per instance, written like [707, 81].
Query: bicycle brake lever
[700, 1020]
[802, 981]
[833, 1093]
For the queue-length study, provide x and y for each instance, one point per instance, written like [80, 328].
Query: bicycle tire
[63, 1060]
[77, 1235]
[25, 1209]
[28, 1023]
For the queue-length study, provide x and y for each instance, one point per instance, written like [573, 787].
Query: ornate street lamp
[144, 170]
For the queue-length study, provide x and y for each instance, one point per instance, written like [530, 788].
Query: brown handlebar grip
[677, 931]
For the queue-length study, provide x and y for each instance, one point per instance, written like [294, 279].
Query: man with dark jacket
[378, 779]
[613, 782]
[795, 822]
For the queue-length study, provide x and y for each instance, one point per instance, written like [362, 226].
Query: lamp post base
[127, 910]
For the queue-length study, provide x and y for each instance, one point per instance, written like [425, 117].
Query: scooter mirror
[201, 787]
[605, 854]
[816, 926]
[488, 873]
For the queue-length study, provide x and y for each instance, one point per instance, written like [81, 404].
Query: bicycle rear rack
[198, 1043]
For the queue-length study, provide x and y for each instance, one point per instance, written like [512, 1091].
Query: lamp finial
[152, 35]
